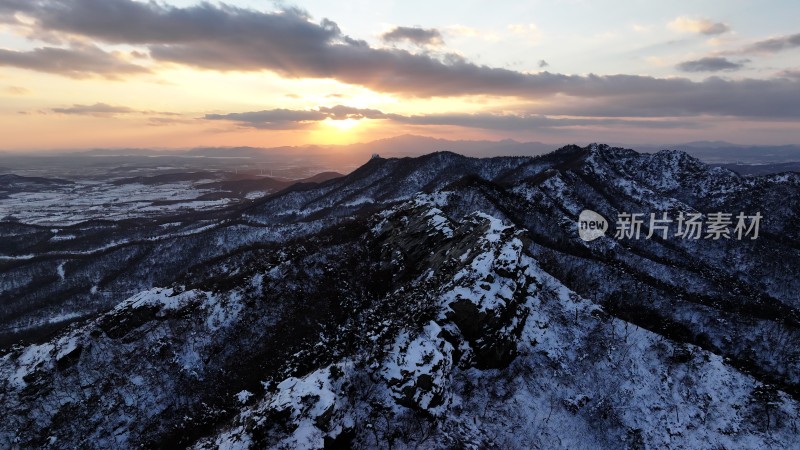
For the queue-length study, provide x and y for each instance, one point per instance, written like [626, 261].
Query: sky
[78, 74]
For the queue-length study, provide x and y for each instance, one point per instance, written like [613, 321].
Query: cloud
[80, 62]
[11, 7]
[16, 90]
[773, 45]
[98, 109]
[129, 21]
[105, 110]
[284, 119]
[771, 99]
[289, 119]
[161, 121]
[418, 36]
[289, 43]
[701, 26]
[528, 122]
[790, 73]
[341, 112]
[543, 63]
[709, 64]
[275, 119]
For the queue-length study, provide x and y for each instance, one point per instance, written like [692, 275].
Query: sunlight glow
[343, 125]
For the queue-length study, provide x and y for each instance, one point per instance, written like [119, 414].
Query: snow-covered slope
[437, 302]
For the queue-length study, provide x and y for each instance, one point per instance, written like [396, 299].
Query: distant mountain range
[340, 157]
[411, 145]
[725, 152]
[438, 301]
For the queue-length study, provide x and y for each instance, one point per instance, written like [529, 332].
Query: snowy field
[87, 200]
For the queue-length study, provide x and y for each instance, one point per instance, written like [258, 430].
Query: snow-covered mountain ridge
[436, 302]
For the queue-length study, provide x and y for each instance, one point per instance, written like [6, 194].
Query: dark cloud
[790, 73]
[13, 6]
[418, 36]
[81, 62]
[274, 119]
[543, 63]
[709, 64]
[291, 44]
[286, 42]
[773, 45]
[128, 21]
[759, 99]
[293, 119]
[288, 119]
[715, 28]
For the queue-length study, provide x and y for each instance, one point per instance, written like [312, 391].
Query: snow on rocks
[418, 370]
[491, 278]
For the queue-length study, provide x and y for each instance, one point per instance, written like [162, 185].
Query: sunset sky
[122, 73]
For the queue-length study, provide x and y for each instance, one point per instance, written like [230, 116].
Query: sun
[343, 131]
[343, 125]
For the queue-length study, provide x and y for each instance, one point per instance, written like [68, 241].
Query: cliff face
[442, 302]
